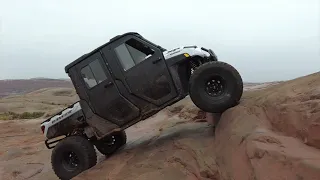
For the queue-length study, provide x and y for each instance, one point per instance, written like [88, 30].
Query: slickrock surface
[273, 134]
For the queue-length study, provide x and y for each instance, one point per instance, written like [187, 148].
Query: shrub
[24, 115]
[63, 93]
[33, 115]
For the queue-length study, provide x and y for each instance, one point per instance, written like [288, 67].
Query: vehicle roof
[67, 67]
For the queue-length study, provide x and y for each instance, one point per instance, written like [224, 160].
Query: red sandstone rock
[273, 134]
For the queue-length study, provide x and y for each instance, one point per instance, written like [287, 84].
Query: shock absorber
[193, 66]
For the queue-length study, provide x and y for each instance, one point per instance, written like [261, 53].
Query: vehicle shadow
[190, 131]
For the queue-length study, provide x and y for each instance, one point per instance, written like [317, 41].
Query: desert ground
[273, 134]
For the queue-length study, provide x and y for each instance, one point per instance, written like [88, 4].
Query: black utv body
[129, 79]
[124, 91]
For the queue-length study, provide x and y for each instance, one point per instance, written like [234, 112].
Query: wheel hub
[70, 161]
[215, 86]
[111, 141]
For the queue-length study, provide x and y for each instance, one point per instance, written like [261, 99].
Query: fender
[177, 59]
[182, 54]
[74, 109]
[191, 50]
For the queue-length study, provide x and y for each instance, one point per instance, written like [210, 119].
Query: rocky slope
[272, 134]
[175, 144]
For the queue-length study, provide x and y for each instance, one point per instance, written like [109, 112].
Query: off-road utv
[128, 80]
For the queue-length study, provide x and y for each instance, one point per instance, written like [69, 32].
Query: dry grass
[24, 115]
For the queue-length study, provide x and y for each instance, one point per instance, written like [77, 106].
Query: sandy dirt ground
[48, 100]
[164, 141]
[273, 130]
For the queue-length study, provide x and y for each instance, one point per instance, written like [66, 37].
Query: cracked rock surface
[273, 134]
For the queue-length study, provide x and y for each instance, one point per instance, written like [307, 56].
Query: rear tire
[215, 86]
[71, 156]
[110, 144]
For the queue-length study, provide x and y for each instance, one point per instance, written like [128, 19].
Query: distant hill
[21, 86]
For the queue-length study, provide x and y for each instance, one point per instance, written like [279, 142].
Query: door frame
[125, 73]
[108, 83]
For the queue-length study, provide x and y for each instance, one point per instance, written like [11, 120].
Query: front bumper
[213, 56]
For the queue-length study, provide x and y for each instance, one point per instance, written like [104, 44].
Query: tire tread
[81, 143]
[218, 64]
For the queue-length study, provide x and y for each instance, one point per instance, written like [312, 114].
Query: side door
[144, 69]
[105, 100]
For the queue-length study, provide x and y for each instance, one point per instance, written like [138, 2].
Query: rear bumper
[50, 143]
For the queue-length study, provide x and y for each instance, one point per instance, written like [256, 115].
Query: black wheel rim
[107, 145]
[215, 86]
[110, 141]
[70, 161]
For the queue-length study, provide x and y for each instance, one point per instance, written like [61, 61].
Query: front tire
[215, 86]
[71, 156]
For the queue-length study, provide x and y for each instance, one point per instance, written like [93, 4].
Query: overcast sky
[265, 40]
